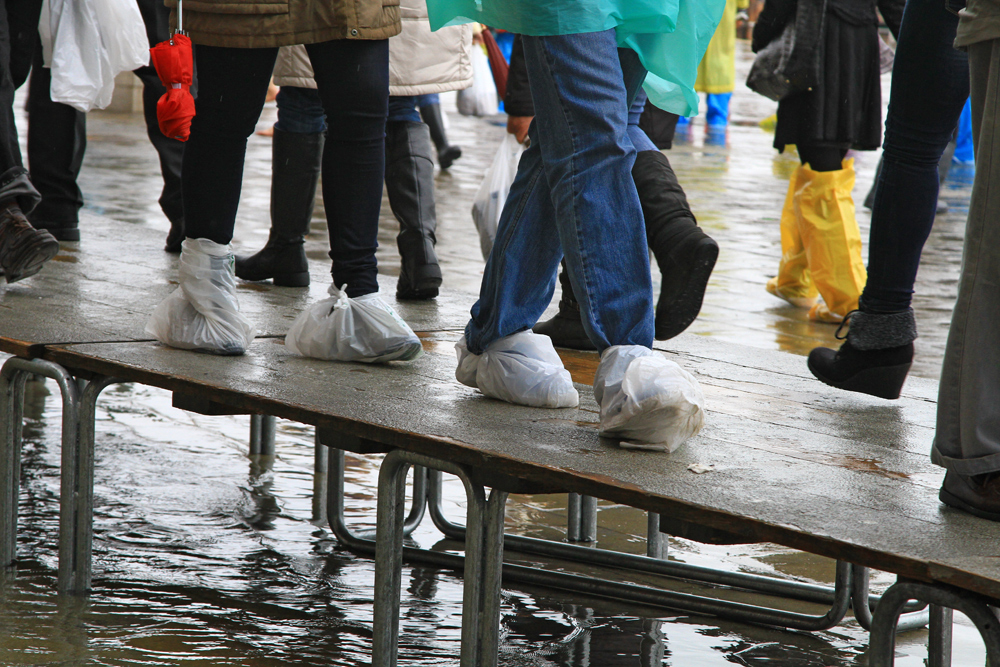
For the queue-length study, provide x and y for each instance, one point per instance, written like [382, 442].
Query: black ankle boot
[684, 254]
[409, 183]
[431, 115]
[175, 237]
[296, 160]
[566, 328]
[874, 359]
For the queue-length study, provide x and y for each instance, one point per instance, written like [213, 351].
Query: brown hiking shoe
[23, 249]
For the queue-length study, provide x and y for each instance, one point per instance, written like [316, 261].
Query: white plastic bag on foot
[343, 329]
[647, 401]
[522, 368]
[203, 313]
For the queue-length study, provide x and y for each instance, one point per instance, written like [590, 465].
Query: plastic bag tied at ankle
[522, 368]
[364, 329]
[647, 401]
[203, 313]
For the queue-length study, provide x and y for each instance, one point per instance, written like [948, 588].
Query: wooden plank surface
[797, 463]
[104, 288]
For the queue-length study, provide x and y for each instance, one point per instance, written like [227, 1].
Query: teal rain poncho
[670, 36]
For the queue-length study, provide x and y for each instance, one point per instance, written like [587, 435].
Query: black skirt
[845, 110]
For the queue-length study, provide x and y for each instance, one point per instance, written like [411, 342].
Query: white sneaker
[522, 368]
[364, 329]
[647, 401]
[203, 313]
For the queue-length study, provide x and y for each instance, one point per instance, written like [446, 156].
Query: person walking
[420, 62]
[820, 241]
[930, 84]
[23, 249]
[236, 45]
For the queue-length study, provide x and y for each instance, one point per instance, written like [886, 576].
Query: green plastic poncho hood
[670, 36]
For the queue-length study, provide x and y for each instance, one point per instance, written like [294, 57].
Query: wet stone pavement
[204, 556]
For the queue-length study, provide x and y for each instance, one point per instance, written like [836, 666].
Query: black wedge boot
[431, 115]
[684, 253]
[296, 160]
[566, 328]
[875, 357]
[409, 183]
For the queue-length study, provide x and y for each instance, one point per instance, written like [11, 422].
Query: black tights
[822, 158]
[353, 81]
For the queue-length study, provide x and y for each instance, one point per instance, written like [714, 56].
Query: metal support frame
[863, 612]
[262, 431]
[656, 542]
[481, 571]
[582, 521]
[321, 465]
[942, 599]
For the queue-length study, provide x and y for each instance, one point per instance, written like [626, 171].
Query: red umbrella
[174, 64]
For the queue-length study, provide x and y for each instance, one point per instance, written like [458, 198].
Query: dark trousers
[353, 82]
[930, 83]
[18, 30]
[57, 137]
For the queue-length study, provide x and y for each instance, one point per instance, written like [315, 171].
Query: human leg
[296, 157]
[967, 439]
[433, 117]
[409, 184]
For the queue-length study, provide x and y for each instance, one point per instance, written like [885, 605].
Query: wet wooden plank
[104, 288]
[824, 480]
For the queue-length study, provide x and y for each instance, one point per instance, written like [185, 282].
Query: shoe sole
[279, 280]
[956, 502]
[30, 259]
[882, 382]
[688, 304]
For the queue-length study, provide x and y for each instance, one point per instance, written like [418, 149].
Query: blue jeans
[636, 135]
[300, 110]
[427, 100]
[573, 194]
[404, 107]
[930, 83]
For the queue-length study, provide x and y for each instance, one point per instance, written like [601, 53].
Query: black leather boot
[684, 254]
[296, 160]
[566, 328]
[23, 249]
[409, 183]
[431, 115]
[175, 237]
[874, 359]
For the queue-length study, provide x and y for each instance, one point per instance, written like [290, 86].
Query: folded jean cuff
[15, 184]
[881, 331]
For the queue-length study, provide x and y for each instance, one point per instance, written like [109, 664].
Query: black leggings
[822, 158]
[353, 81]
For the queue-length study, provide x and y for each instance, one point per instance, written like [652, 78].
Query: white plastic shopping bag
[646, 400]
[479, 99]
[492, 194]
[203, 313]
[91, 42]
[364, 329]
[522, 368]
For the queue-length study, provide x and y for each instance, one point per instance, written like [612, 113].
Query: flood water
[206, 556]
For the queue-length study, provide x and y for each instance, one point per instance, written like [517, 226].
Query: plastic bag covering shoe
[647, 401]
[492, 194]
[364, 329]
[522, 368]
[793, 283]
[203, 313]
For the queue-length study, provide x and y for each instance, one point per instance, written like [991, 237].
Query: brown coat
[266, 23]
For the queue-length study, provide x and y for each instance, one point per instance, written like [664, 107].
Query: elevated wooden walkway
[796, 463]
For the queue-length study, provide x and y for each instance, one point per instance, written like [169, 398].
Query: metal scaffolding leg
[12, 377]
[321, 465]
[582, 520]
[481, 572]
[76, 504]
[656, 542]
[262, 431]
[863, 612]
[943, 599]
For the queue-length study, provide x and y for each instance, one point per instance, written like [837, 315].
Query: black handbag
[790, 63]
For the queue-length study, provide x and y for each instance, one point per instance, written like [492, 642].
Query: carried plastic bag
[647, 401]
[479, 99]
[492, 194]
[91, 42]
[522, 368]
[203, 313]
[364, 329]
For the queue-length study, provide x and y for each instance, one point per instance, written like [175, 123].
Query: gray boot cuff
[881, 331]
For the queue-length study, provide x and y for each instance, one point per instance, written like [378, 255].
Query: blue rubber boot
[718, 109]
[964, 153]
